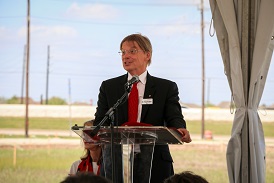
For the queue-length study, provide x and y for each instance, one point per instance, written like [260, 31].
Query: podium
[129, 143]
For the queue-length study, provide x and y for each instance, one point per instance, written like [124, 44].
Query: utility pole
[47, 80]
[69, 104]
[203, 70]
[208, 91]
[27, 72]
[23, 76]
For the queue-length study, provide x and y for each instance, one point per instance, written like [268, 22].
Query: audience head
[89, 123]
[85, 177]
[186, 177]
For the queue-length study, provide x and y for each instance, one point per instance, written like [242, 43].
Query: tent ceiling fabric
[229, 22]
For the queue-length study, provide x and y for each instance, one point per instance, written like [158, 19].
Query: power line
[136, 3]
[11, 17]
[108, 23]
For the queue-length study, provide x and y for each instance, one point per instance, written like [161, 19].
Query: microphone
[134, 79]
[94, 132]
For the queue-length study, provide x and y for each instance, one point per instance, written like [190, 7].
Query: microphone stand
[110, 115]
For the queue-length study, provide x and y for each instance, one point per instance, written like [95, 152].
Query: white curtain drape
[228, 24]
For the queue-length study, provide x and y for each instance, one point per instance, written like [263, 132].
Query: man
[158, 106]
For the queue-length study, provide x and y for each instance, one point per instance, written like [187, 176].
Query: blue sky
[84, 38]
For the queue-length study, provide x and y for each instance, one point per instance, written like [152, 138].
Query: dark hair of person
[186, 177]
[85, 177]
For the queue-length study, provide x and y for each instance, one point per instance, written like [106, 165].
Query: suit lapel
[149, 93]
[122, 110]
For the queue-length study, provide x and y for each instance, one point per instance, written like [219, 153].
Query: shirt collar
[142, 77]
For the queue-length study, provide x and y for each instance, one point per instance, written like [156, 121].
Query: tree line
[19, 100]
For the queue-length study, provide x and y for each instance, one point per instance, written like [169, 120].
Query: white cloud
[49, 31]
[4, 32]
[183, 3]
[92, 11]
[178, 26]
[170, 2]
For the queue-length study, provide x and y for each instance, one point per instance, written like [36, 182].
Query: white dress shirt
[141, 90]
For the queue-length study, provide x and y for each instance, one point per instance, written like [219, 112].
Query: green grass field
[51, 164]
[36, 165]
[44, 165]
[217, 127]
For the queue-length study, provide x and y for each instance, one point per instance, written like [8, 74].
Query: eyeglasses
[131, 51]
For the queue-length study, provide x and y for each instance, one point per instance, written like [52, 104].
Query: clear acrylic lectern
[129, 139]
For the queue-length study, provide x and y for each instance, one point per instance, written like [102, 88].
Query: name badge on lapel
[147, 101]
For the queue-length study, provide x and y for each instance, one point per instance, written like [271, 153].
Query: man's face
[133, 58]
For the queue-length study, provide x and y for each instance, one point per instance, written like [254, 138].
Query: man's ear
[148, 56]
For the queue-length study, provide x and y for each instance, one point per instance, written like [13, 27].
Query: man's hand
[185, 135]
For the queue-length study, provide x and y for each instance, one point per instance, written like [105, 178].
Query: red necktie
[133, 104]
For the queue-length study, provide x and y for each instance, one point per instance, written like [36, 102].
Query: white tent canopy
[245, 34]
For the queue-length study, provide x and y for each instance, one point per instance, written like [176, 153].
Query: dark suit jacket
[165, 111]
